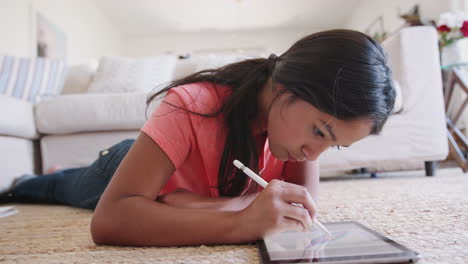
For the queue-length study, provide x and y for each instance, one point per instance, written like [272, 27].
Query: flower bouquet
[452, 26]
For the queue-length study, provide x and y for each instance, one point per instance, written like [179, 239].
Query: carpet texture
[426, 214]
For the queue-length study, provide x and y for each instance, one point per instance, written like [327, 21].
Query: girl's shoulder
[202, 96]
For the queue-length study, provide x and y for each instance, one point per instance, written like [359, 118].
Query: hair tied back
[271, 61]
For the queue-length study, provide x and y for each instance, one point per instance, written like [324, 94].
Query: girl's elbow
[101, 230]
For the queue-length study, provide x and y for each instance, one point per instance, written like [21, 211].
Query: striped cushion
[31, 79]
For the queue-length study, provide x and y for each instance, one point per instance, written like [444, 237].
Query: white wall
[279, 40]
[368, 10]
[15, 27]
[257, 43]
[89, 33]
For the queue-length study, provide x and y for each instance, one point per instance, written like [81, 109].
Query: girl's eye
[319, 133]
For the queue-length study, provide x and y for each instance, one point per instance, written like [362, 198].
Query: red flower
[464, 28]
[444, 28]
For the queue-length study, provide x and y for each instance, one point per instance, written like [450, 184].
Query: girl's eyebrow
[330, 131]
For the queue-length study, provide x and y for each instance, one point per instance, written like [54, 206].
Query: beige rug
[429, 215]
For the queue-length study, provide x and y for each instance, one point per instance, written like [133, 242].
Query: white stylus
[264, 184]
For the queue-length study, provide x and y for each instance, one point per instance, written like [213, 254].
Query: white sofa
[416, 135]
[74, 127]
[18, 139]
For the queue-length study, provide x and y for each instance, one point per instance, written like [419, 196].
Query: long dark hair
[343, 73]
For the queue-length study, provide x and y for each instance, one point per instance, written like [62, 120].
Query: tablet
[350, 243]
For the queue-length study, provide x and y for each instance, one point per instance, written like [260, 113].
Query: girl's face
[297, 131]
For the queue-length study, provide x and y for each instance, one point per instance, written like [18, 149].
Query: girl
[176, 185]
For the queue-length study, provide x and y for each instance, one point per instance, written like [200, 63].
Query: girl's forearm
[230, 203]
[137, 221]
[187, 199]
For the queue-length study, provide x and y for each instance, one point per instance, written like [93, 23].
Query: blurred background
[91, 58]
[95, 28]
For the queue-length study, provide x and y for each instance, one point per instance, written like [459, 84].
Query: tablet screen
[351, 242]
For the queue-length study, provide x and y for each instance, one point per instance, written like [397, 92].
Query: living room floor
[426, 214]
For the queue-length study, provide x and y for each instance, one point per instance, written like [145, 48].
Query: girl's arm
[306, 174]
[127, 213]
[302, 173]
[186, 199]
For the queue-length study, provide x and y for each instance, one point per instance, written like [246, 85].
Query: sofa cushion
[126, 74]
[92, 112]
[31, 79]
[196, 63]
[214, 61]
[17, 118]
[79, 77]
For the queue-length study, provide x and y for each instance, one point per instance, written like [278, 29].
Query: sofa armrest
[17, 118]
[415, 61]
[418, 133]
[414, 58]
[76, 113]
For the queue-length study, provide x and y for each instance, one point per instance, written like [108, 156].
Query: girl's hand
[274, 212]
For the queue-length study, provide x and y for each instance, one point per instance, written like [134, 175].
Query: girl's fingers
[298, 214]
[287, 224]
[293, 225]
[299, 195]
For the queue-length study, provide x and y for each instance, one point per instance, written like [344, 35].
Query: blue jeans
[79, 187]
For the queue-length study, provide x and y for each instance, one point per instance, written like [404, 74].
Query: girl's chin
[279, 155]
[282, 158]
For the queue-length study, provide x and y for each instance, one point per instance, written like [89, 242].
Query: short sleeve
[170, 126]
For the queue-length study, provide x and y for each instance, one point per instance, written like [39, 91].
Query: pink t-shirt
[194, 143]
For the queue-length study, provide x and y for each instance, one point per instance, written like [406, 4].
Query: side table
[458, 143]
